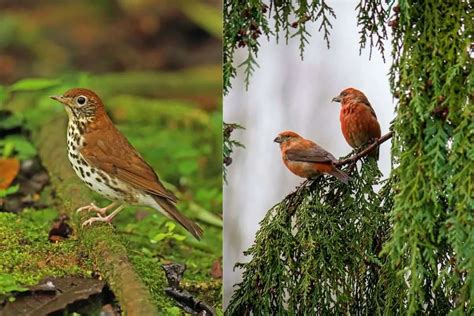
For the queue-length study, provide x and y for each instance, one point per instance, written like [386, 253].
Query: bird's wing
[370, 108]
[308, 152]
[110, 152]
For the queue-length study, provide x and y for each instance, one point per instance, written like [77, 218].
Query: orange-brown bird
[306, 158]
[359, 123]
[104, 160]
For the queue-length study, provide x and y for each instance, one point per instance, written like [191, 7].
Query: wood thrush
[359, 123]
[103, 158]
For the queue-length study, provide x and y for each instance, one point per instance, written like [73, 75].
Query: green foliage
[19, 145]
[32, 84]
[151, 243]
[11, 121]
[170, 226]
[432, 245]
[318, 250]
[206, 16]
[8, 191]
[371, 17]
[3, 95]
[8, 284]
[246, 21]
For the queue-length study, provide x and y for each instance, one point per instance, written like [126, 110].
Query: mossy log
[109, 255]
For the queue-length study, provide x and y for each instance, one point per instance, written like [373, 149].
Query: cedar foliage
[317, 251]
[408, 247]
[432, 245]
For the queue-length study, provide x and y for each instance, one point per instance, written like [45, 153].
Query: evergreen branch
[325, 25]
[229, 145]
[366, 151]
[246, 21]
[318, 250]
[372, 17]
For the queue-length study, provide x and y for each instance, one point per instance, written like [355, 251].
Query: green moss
[147, 256]
[27, 256]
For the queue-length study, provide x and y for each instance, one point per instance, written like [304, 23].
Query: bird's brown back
[107, 149]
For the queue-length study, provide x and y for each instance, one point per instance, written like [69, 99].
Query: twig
[366, 151]
[174, 274]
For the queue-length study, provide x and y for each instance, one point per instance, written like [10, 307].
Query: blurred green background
[47, 38]
[157, 67]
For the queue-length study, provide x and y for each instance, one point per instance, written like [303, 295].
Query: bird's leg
[101, 218]
[94, 208]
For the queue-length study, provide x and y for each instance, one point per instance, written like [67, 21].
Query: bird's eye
[81, 100]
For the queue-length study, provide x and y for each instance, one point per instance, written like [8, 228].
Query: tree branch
[366, 151]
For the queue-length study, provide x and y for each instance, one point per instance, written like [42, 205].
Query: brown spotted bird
[108, 164]
[306, 158]
[359, 123]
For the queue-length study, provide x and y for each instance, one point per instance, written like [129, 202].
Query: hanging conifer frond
[318, 251]
[432, 245]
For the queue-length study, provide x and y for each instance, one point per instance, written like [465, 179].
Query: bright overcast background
[286, 93]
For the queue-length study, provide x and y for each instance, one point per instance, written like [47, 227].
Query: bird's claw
[93, 208]
[99, 218]
[88, 208]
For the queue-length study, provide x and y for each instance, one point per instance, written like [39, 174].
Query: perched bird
[306, 158]
[103, 158]
[358, 120]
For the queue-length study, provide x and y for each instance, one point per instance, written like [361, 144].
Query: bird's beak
[337, 99]
[59, 98]
[277, 140]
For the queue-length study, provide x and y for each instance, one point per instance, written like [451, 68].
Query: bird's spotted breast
[93, 177]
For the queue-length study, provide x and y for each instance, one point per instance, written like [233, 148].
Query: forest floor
[177, 129]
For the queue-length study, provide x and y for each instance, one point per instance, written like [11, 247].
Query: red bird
[306, 158]
[358, 120]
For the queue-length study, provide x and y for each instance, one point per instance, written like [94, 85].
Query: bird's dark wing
[308, 152]
[370, 108]
[108, 150]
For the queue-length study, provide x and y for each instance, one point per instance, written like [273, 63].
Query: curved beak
[337, 99]
[277, 140]
[59, 98]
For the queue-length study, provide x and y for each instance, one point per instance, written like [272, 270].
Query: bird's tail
[340, 175]
[172, 212]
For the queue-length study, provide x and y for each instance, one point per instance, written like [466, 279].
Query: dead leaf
[51, 295]
[108, 310]
[216, 269]
[60, 230]
[8, 171]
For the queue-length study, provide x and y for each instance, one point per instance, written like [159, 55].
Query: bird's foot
[99, 218]
[94, 208]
